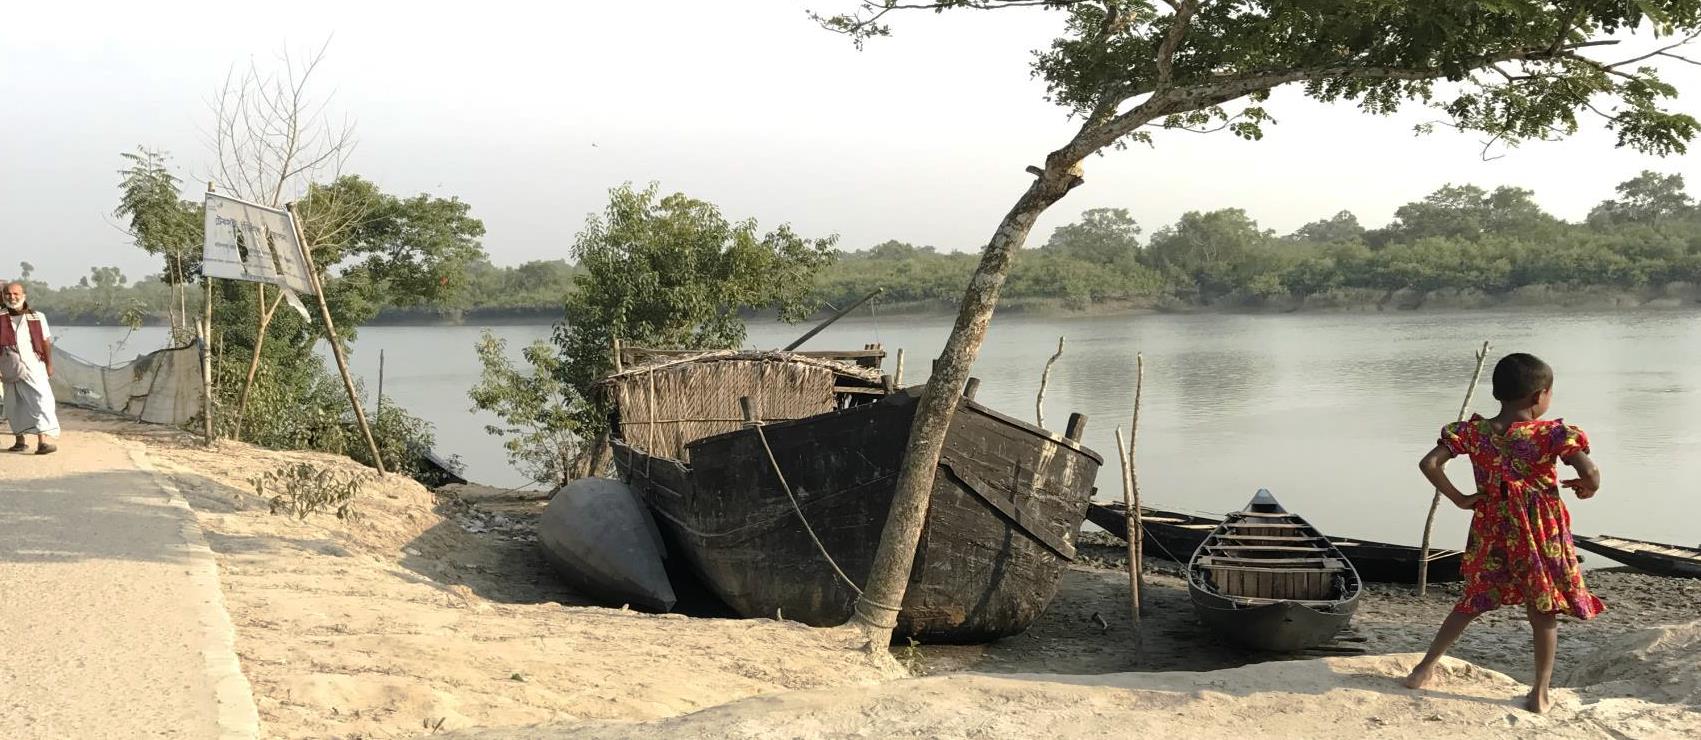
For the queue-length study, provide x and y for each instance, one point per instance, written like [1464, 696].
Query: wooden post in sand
[207, 353]
[1045, 378]
[1133, 551]
[1435, 502]
[1136, 528]
[898, 372]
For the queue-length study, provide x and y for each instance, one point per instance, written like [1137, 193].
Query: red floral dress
[1520, 547]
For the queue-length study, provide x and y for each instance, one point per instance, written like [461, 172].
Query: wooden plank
[1263, 548]
[1252, 569]
[1261, 515]
[1271, 537]
[1265, 525]
[1215, 560]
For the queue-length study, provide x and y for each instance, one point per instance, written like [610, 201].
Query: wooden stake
[1045, 378]
[898, 374]
[1435, 502]
[379, 412]
[1136, 528]
[207, 354]
[1133, 550]
[336, 346]
[254, 362]
[619, 366]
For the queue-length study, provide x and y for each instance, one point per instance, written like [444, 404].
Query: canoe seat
[1206, 527]
[1269, 537]
[1261, 515]
[1265, 525]
[1271, 563]
[1262, 548]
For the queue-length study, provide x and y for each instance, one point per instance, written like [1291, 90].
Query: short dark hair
[1520, 375]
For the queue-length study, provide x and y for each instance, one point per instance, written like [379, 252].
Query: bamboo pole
[336, 346]
[898, 373]
[1435, 502]
[1045, 378]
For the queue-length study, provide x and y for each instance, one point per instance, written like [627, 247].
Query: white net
[162, 387]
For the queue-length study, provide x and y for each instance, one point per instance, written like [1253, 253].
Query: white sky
[744, 103]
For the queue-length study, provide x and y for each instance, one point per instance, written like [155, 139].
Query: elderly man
[26, 363]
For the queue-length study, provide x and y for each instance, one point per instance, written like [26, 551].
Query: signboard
[253, 243]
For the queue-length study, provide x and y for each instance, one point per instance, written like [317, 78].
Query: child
[1520, 550]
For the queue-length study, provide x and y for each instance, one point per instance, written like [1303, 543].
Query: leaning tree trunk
[883, 595]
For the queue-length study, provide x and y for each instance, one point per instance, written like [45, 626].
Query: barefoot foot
[1537, 701]
[1420, 675]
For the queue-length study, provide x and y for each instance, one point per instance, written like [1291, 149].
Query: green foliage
[1647, 198]
[302, 489]
[160, 221]
[539, 413]
[1512, 69]
[672, 272]
[1104, 236]
[407, 251]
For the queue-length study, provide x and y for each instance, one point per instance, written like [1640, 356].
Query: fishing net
[162, 387]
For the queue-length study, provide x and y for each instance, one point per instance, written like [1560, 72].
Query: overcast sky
[532, 114]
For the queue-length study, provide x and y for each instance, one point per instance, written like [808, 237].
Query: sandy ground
[110, 623]
[435, 614]
[421, 616]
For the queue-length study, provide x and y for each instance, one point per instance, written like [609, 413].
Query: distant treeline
[1461, 245]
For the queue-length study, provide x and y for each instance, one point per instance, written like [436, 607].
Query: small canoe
[1267, 580]
[602, 541]
[1174, 535]
[1653, 557]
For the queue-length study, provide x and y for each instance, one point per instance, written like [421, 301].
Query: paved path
[111, 619]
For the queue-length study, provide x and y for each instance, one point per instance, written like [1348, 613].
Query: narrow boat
[1661, 560]
[1267, 580]
[1174, 535]
[772, 473]
[603, 543]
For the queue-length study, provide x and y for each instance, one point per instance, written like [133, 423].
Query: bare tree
[275, 140]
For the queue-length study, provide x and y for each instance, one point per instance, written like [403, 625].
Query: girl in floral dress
[1520, 549]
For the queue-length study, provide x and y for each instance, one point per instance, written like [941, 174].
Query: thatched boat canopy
[673, 399]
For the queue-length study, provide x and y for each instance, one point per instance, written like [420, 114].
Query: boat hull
[1377, 562]
[1654, 563]
[1266, 579]
[1282, 627]
[1007, 505]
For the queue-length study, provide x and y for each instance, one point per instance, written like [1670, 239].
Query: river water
[1330, 412]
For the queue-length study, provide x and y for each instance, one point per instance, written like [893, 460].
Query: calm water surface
[1330, 412]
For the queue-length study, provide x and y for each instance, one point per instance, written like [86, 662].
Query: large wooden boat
[780, 506]
[1661, 560]
[1174, 535]
[1266, 579]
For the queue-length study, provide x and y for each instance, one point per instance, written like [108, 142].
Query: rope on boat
[799, 509]
[1160, 545]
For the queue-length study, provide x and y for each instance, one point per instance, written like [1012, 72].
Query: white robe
[30, 405]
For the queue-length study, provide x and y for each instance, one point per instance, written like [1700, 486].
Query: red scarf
[8, 335]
